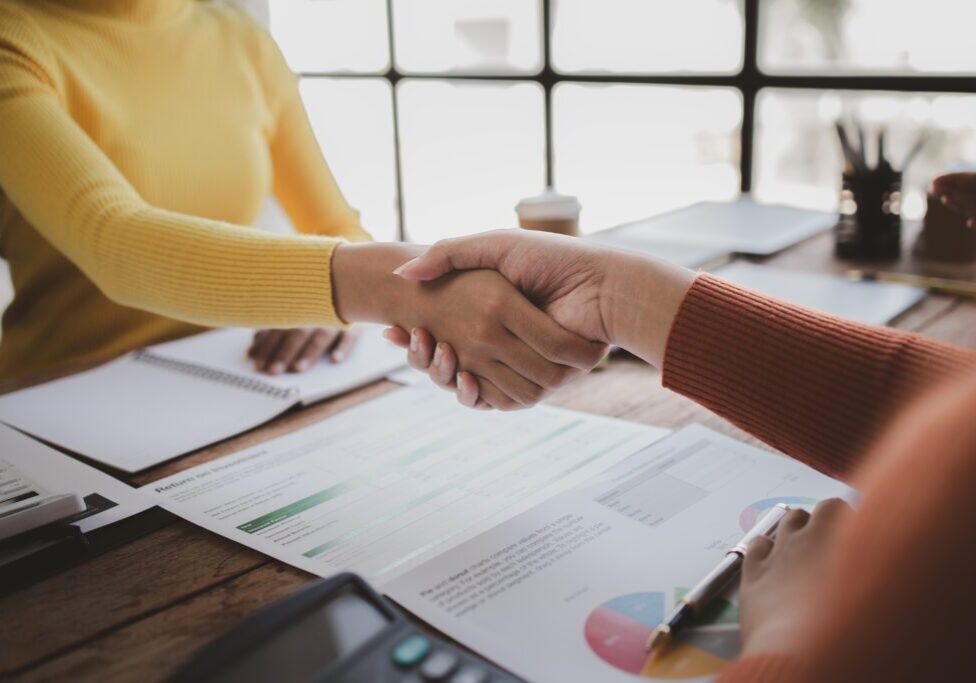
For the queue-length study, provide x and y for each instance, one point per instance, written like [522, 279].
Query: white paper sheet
[570, 589]
[741, 226]
[108, 499]
[132, 415]
[372, 358]
[381, 487]
[874, 303]
[136, 412]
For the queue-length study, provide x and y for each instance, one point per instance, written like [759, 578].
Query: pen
[935, 284]
[714, 583]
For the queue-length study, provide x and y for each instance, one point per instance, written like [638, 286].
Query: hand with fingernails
[278, 351]
[598, 293]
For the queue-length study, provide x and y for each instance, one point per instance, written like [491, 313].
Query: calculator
[336, 630]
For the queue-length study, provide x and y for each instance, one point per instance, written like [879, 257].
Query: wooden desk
[137, 612]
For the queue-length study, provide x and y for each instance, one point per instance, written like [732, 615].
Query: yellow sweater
[138, 138]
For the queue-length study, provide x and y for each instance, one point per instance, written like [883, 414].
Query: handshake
[503, 318]
[518, 314]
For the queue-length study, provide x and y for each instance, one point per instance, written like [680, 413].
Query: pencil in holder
[869, 225]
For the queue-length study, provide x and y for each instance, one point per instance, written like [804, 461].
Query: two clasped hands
[502, 318]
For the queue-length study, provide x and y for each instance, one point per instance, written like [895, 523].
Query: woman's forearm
[364, 287]
[639, 301]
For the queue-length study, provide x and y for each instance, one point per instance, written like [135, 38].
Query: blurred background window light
[455, 109]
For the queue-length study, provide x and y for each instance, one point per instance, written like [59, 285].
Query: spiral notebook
[163, 401]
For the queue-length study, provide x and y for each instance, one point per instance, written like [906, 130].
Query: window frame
[749, 81]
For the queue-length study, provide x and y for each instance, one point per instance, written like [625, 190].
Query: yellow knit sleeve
[303, 182]
[198, 270]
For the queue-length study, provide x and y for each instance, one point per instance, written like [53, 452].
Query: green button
[411, 651]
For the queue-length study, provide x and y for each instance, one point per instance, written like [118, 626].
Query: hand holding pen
[715, 582]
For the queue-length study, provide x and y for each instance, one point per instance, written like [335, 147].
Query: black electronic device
[337, 630]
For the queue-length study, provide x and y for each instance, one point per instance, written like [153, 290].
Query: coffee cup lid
[549, 204]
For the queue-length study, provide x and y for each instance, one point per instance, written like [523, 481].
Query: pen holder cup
[869, 225]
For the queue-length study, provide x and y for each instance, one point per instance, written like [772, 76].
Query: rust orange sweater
[890, 412]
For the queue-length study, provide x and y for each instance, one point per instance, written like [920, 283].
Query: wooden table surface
[139, 611]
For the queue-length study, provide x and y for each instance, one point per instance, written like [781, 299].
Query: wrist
[364, 288]
[640, 300]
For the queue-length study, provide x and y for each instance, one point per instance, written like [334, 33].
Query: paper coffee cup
[551, 212]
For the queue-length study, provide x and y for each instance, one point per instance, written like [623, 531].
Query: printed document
[570, 589]
[31, 469]
[384, 486]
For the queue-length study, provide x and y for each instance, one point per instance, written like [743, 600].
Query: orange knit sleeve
[817, 387]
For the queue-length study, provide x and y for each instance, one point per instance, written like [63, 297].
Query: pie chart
[617, 631]
[751, 515]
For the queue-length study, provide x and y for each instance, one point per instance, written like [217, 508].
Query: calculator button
[410, 651]
[469, 674]
[439, 666]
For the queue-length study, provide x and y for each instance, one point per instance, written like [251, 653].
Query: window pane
[631, 151]
[865, 36]
[799, 159]
[652, 36]
[470, 36]
[332, 36]
[470, 151]
[353, 121]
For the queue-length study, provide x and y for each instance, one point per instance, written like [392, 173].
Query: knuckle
[758, 543]
[830, 504]
[563, 375]
[495, 306]
[441, 378]
[483, 332]
[831, 507]
[503, 402]
[547, 347]
[535, 393]
[795, 518]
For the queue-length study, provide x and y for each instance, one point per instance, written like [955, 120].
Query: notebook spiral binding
[203, 372]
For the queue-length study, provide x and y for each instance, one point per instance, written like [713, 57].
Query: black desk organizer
[869, 227]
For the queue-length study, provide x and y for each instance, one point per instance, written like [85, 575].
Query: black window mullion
[394, 76]
[548, 79]
[750, 80]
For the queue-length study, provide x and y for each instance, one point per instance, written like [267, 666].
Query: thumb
[460, 253]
